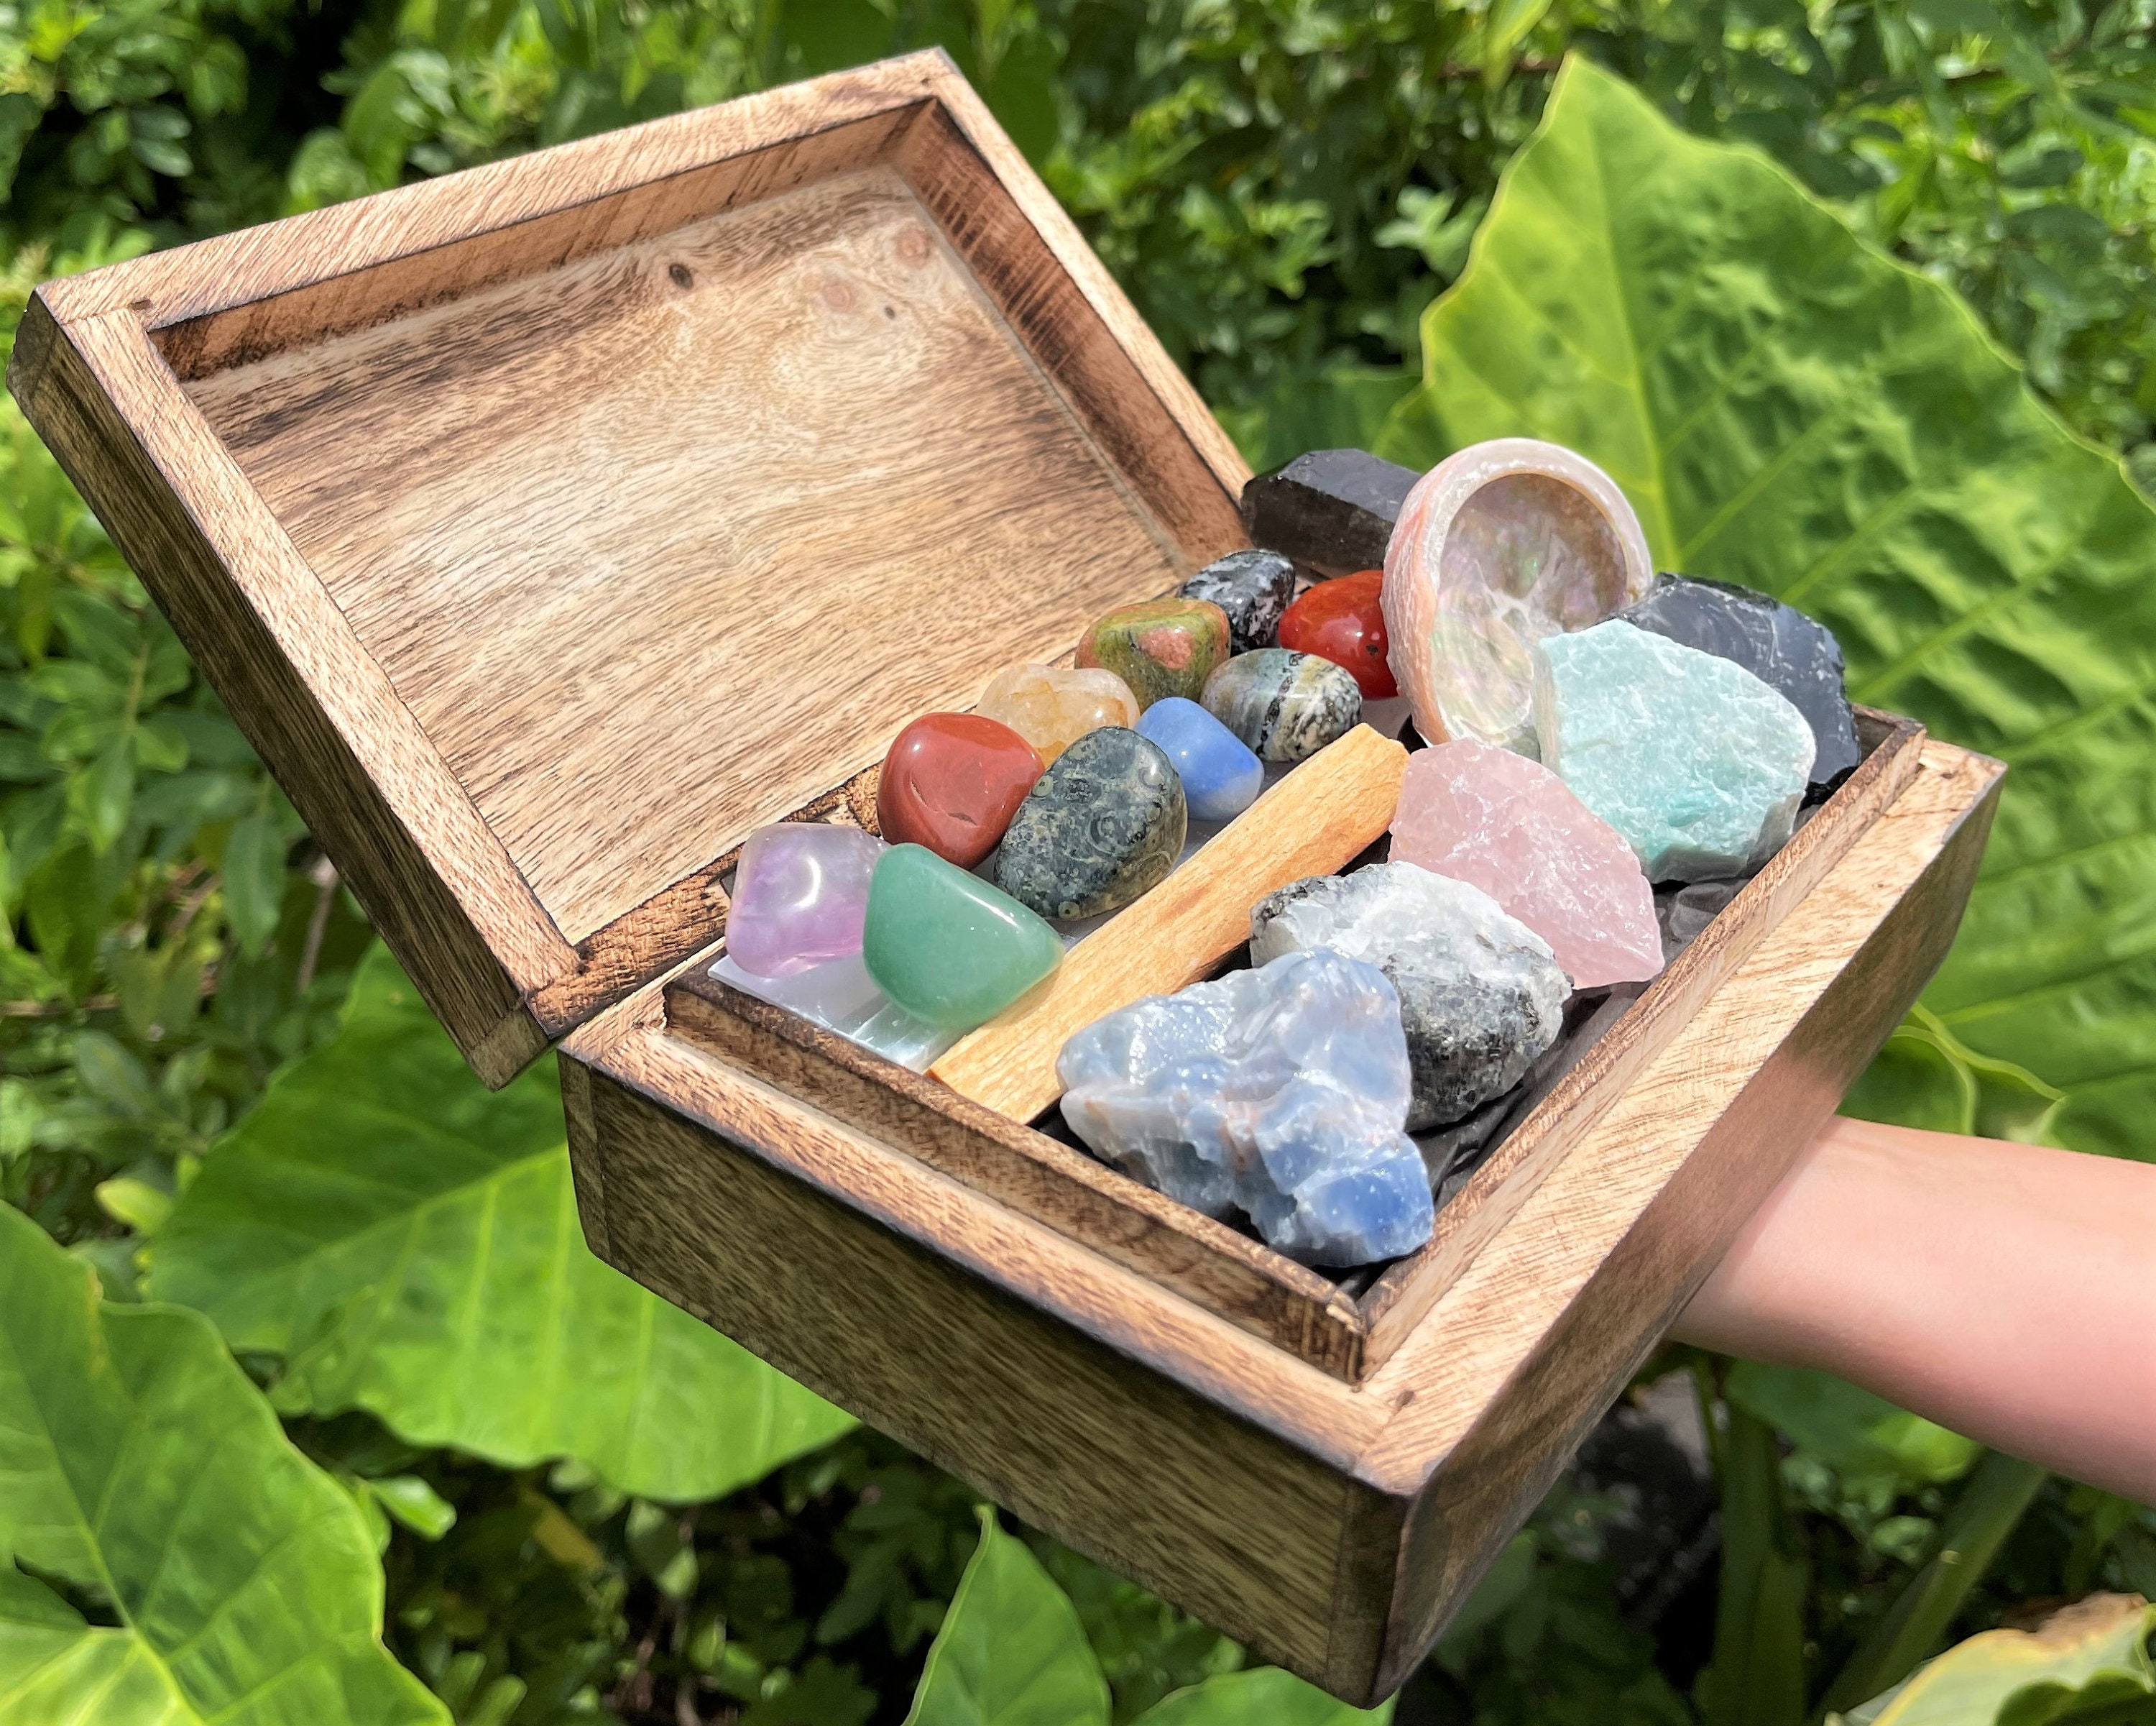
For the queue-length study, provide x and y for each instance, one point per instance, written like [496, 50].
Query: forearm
[2005, 1290]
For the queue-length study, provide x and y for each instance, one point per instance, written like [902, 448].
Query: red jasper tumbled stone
[951, 782]
[1340, 621]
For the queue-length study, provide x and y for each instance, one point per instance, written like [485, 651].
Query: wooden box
[550, 526]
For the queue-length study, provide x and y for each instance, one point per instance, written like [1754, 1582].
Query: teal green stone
[1697, 762]
[947, 947]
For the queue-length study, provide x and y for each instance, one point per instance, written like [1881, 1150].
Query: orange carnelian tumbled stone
[1342, 621]
[951, 782]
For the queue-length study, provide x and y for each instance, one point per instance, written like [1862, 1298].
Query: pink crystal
[800, 896]
[1512, 828]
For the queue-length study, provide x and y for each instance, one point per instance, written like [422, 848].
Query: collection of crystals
[1594, 730]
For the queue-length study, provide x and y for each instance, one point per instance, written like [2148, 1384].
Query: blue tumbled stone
[1221, 778]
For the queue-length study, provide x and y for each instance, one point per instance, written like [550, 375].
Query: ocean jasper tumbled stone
[1163, 647]
[800, 895]
[1480, 994]
[1498, 547]
[1514, 829]
[1278, 1092]
[1052, 706]
[947, 947]
[1253, 588]
[1693, 759]
[950, 782]
[1220, 777]
[1286, 706]
[1344, 622]
[1103, 824]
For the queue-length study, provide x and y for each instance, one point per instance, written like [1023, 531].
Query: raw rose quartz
[1496, 547]
[1512, 828]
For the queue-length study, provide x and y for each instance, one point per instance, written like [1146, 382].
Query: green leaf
[1849, 1429]
[254, 878]
[1012, 1650]
[1266, 1694]
[1789, 407]
[1757, 1675]
[138, 1463]
[407, 1240]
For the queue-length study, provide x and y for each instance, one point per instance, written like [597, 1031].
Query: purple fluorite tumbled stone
[801, 894]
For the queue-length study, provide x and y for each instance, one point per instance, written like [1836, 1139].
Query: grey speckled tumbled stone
[1106, 822]
[1285, 706]
[1253, 588]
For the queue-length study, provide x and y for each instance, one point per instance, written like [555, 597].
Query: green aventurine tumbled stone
[946, 946]
[1699, 764]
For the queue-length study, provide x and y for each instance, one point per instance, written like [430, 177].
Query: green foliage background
[554, 1496]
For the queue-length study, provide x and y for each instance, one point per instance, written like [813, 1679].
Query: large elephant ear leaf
[1789, 407]
[139, 1467]
[408, 1242]
[1265, 1694]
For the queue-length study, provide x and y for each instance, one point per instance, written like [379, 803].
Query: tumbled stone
[1220, 777]
[1332, 509]
[1343, 621]
[1514, 829]
[1052, 706]
[1253, 589]
[1286, 706]
[1499, 546]
[1480, 994]
[800, 893]
[1693, 759]
[1776, 643]
[945, 945]
[1161, 647]
[950, 782]
[1099, 827]
[1278, 1092]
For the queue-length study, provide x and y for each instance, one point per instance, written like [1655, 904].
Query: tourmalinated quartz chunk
[1332, 509]
[1253, 588]
[1499, 546]
[1161, 647]
[945, 946]
[950, 782]
[1776, 643]
[800, 894]
[1480, 994]
[1052, 706]
[1099, 827]
[1279, 1091]
[1693, 759]
[1514, 829]
[1220, 777]
[1344, 622]
[1286, 706]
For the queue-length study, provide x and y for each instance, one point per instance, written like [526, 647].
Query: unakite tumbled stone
[946, 946]
[1699, 764]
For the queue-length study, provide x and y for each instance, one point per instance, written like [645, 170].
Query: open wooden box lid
[550, 526]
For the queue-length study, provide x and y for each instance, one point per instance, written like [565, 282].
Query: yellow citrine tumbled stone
[1052, 706]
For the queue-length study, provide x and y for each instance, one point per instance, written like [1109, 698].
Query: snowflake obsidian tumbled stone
[1253, 588]
[1101, 825]
[1280, 1091]
[1693, 759]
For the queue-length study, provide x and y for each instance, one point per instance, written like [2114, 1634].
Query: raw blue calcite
[1279, 1091]
[1699, 764]
[1221, 778]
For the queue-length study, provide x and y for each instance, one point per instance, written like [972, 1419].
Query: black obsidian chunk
[1332, 509]
[1776, 643]
[1253, 588]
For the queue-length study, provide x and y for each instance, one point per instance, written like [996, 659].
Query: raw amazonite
[1103, 824]
[1499, 546]
[1693, 759]
[945, 945]
[1052, 706]
[1776, 643]
[1280, 1091]
[1514, 829]
[1253, 589]
[1285, 707]
[1161, 647]
[1480, 994]
[800, 896]
[1220, 777]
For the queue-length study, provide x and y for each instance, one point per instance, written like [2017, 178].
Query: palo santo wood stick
[1313, 821]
